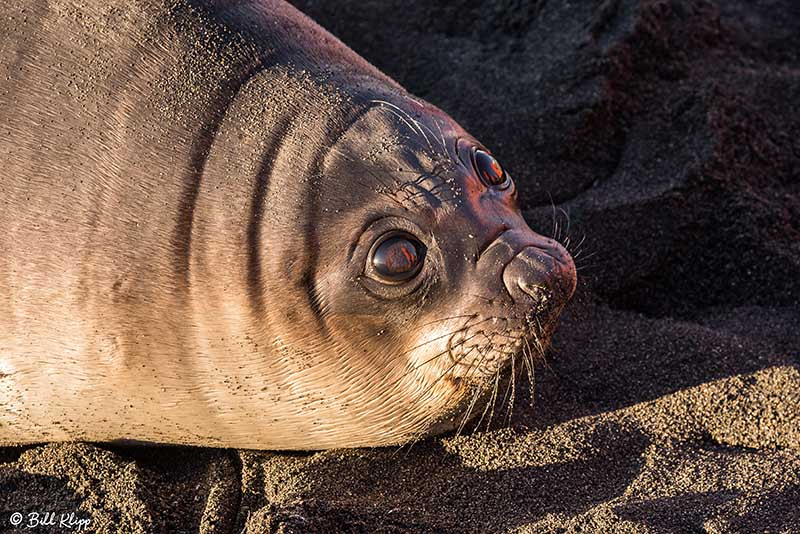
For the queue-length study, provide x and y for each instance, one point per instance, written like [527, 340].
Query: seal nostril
[536, 292]
[540, 298]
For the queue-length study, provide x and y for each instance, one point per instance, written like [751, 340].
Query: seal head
[428, 283]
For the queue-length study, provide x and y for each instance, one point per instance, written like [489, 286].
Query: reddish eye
[398, 258]
[490, 171]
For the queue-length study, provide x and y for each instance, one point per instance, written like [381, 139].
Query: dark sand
[669, 132]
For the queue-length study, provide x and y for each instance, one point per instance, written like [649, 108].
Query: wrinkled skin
[193, 211]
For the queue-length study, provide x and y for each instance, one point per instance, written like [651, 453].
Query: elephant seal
[222, 227]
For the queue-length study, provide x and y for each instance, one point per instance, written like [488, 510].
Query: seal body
[222, 227]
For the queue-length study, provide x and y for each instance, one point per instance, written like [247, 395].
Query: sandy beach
[664, 137]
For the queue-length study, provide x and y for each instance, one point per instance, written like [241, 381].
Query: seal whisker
[492, 401]
[366, 164]
[441, 133]
[377, 178]
[464, 420]
[576, 249]
[495, 392]
[446, 371]
[381, 183]
[496, 388]
[448, 349]
[433, 134]
[435, 176]
[400, 113]
[445, 335]
[510, 385]
[451, 367]
[586, 257]
[540, 345]
[555, 222]
[407, 123]
[469, 315]
[528, 361]
[438, 355]
[419, 435]
[512, 381]
[569, 221]
[488, 404]
[397, 188]
[583, 268]
[487, 299]
[474, 397]
[421, 125]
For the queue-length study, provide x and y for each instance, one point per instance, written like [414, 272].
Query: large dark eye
[490, 170]
[398, 257]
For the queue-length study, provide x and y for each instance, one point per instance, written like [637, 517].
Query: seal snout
[541, 274]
